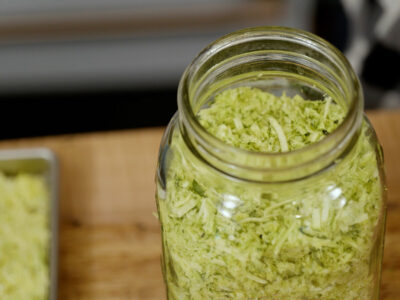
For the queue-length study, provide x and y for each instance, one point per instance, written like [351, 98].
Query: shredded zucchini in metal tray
[24, 238]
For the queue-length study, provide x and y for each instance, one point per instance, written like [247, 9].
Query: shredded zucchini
[251, 119]
[24, 238]
[310, 239]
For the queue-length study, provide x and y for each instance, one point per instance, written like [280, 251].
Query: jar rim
[346, 129]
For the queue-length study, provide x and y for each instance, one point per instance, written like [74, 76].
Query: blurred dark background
[86, 65]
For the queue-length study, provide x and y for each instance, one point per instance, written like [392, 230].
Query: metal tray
[39, 161]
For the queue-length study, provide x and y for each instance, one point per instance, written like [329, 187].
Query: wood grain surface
[109, 239]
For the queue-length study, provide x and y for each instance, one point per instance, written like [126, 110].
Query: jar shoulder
[373, 140]
[174, 148]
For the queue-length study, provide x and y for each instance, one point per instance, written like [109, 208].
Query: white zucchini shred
[326, 108]
[281, 135]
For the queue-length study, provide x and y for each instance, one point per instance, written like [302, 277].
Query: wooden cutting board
[109, 239]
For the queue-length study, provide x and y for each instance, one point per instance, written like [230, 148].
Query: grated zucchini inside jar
[307, 239]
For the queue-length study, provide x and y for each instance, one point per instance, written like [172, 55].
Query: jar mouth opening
[341, 135]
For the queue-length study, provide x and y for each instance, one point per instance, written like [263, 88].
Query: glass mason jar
[303, 224]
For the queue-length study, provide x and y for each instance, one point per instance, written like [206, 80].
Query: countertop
[110, 240]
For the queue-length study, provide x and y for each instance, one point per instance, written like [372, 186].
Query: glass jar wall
[302, 224]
